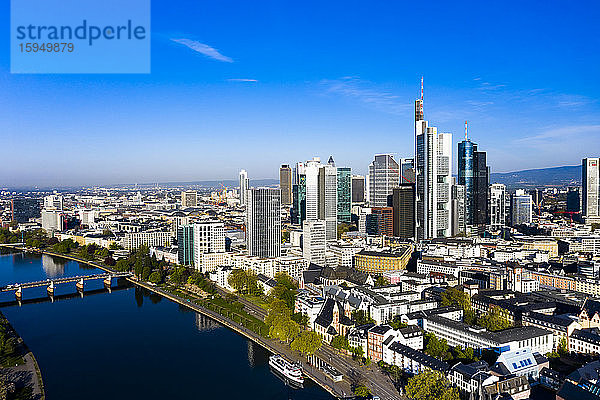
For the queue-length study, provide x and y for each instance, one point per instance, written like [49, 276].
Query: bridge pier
[80, 286]
[108, 284]
[19, 294]
[50, 289]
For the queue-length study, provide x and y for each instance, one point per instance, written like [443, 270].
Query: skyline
[307, 80]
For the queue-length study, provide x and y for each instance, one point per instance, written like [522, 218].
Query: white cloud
[203, 49]
[242, 80]
[367, 93]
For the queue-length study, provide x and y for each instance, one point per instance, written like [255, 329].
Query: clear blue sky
[256, 84]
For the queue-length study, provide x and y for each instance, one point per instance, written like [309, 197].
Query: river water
[131, 344]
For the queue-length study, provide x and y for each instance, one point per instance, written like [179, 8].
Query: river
[131, 344]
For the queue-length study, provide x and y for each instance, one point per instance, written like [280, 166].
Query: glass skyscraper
[344, 194]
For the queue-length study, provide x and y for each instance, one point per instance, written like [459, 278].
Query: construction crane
[570, 213]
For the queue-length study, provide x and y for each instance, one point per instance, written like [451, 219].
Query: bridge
[50, 284]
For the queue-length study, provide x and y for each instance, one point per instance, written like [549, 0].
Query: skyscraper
[24, 208]
[185, 244]
[358, 189]
[433, 162]
[458, 209]
[314, 243]
[263, 222]
[384, 175]
[244, 186]
[474, 176]
[497, 206]
[403, 204]
[521, 208]
[407, 170]
[382, 221]
[285, 184]
[328, 202]
[344, 195]
[590, 194]
[573, 200]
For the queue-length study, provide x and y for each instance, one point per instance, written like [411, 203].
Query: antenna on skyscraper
[465, 130]
[421, 87]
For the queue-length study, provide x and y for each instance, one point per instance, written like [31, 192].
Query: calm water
[130, 344]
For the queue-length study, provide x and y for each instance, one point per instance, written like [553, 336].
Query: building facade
[263, 222]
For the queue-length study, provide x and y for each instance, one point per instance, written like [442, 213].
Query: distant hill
[556, 176]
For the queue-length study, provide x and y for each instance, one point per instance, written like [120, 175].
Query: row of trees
[430, 385]
[439, 349]
[143, 265]
[244, 282]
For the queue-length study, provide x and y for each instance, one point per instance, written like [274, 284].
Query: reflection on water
[257, 356]
[205, 324]
[53, 267]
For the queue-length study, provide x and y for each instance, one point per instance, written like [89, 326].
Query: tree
[109, 261]
[122, 265]
[357, 351]
[243, 281]
[277, 310]
[361, 317]
[301, 318]
[285, 236]
[430, 385]
[493, 320]
[381, 281]
[155, 277]
[362, 391]
[340, 342]
[435, 347]
[284, 330]
[562, 347]
[308, 342]
[396, 323]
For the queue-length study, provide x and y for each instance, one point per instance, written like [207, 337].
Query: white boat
[291, 372]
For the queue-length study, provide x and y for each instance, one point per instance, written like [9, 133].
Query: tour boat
[291, 372]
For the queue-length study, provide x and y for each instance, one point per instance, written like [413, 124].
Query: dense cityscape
[407, 282]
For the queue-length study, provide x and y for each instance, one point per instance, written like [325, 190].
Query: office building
[473, 173]
[314, 242]
[344, 195]
[328, 201]
[590, 194]
[403, 204]
[185, 244]
[573, 200]
[244, 186]
[521, 208]
[459, 227]
[53, 202]
[25, 208]
[263, 222]
[208, 238]
[384, 175]
[381, 221]
[52, 220]
[407, 170]
[433, 163]
[358, 189]
[285, 184]
[189, 198]
[497, 206]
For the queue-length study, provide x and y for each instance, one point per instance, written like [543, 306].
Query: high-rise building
[53, 220]
[590, 194]
[344, 195]
[433, 163]
[403, 204]
[384, 176]
[407, 170]
[573, 200]
[208, 238]
[497, 206]
[328, 202]
[244, 186]
[381, 221]
[314, 242]
[189, 198]
[25, 208]
[521, 208]
[285, 184]
[53, 202]
[263, 222]
[185, 244]
[358, 189]
[458, 209]
[473, 174]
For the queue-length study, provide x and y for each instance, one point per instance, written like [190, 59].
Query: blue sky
[255, 84]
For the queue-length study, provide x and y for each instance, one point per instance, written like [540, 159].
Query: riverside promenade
[380, 384]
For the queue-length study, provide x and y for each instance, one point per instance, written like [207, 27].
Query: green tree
[122, 265]
[430, 385]
[155, 277]
[562, 346]
[361, 317]
[277, 310]
[301, 318]
[396, 323]
[357, 351]
[493, 320]
[362, 391]
[435, 347]
[340, 342]
[284, 330]
[308, 342]
[381, 281]
[243, 281]
[285, 236]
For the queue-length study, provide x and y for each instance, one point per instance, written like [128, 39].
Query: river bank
[338, 389]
